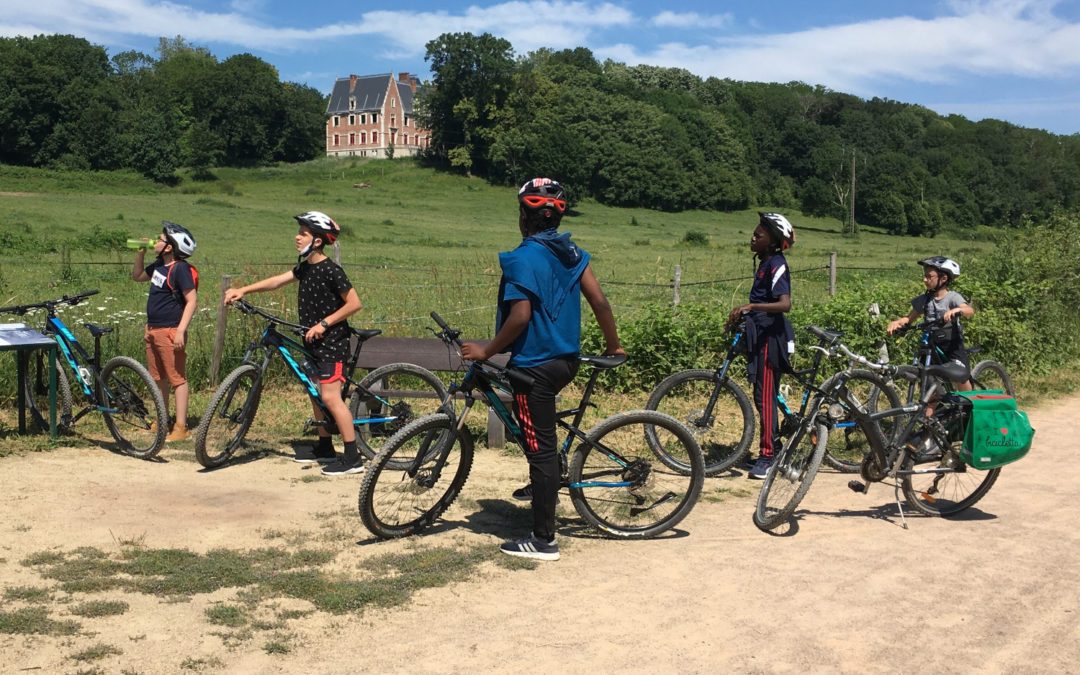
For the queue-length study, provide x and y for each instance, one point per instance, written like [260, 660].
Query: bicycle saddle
[957, 372]
[826, 334]
[97, 331]
[604, 361]
[364, 335]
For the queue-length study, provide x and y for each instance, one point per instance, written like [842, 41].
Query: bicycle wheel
[134, 403]
[401, 390]
[228, 416]
[946, 493]
[792, 472]
[397, 502]
[618, 485]
[36, 392]
[847, 442]
[724, 438]
[992, 375]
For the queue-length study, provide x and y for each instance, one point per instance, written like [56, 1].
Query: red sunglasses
[540, 201]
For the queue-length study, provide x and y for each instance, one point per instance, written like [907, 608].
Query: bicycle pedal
[856, 486]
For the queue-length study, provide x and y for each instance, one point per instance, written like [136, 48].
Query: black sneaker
[760, 468]
[314, 455]
[342, 468]
[523, 494]
[531, 547]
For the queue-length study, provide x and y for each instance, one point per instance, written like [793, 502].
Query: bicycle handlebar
[448, 334]
[48, 304]
[921, 326]
[249, 309]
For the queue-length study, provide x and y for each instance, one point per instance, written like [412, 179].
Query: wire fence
[396, 298]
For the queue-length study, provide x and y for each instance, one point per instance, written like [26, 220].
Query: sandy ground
[846, 589]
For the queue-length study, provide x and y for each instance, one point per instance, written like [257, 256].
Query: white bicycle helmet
[942, 264]
[321, 225]
[779, 227]
[182, 242]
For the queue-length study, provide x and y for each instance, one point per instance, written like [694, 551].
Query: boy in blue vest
[539, 320]
[770, 339]
[170, 304]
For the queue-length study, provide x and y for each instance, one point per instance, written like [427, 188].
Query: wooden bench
[432, 354]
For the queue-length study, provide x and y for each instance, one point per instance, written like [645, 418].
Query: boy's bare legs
[163, 387]
[351, 462]
[181, 407]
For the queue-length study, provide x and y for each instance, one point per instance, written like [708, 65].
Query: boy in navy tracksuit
[770, 339]
[539, 320]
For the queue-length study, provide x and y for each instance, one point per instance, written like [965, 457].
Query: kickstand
[899, 506]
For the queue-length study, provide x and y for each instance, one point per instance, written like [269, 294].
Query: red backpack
[176, 291]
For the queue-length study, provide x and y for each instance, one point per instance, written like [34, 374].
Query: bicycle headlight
[837, 412]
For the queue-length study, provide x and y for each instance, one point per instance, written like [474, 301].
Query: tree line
[64, 103]
[667, 139]
[660, 138]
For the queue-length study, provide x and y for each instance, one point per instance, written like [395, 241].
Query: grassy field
[415, 240]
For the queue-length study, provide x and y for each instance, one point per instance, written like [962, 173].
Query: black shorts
[330, 371]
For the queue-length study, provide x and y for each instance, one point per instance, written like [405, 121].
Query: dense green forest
[64, 103]
[659, 138]
[664, 138]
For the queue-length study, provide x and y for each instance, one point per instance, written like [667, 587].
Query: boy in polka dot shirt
[326, 299]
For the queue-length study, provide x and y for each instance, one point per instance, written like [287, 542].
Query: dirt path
[850, 590]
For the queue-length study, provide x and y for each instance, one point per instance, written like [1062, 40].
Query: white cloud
[668, 19]
[113, 20]
[997, 37]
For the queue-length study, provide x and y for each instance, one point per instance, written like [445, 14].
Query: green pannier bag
[997, 433]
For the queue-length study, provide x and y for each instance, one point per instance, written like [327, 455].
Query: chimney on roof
[408, 79]
[352, 83]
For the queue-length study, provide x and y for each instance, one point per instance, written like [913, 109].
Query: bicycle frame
[486, 377]
[271, 341]
[74, 354]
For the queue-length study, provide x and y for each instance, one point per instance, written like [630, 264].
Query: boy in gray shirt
[941, 303]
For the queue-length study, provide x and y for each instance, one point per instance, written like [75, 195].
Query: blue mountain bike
[122, 390]
[386, 399]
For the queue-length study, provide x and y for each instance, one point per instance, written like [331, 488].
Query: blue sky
[1017, 60]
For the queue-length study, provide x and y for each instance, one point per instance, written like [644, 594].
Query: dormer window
[352, 103]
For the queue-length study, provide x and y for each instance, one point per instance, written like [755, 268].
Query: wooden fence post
[337, 254]
[219, 331]
[832, 273]
[678, 281]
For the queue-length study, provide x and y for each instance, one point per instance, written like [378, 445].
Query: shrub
[696, 238]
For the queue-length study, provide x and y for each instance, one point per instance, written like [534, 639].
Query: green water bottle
[141, 243]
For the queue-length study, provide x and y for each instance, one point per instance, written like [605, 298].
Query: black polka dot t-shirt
[322, 286]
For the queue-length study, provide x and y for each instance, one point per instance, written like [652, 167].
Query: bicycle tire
[847, 442]
[233, 416]
[394, 504]
[634, 511]
[726, 438]
[132, 425]
[945, 494]
[992, 375]
[36, 393]
[792, 472]
[394, 377]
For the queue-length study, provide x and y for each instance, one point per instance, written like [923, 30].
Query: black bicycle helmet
[779, 228]
[542, 193]
[179, 237]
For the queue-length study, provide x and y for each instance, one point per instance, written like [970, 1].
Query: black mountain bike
[122, 390]
[920, 452]
[990, 374]
[615, 480]
[721, 416]
[384, 401]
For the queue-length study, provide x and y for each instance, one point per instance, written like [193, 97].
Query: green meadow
[414, 240]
